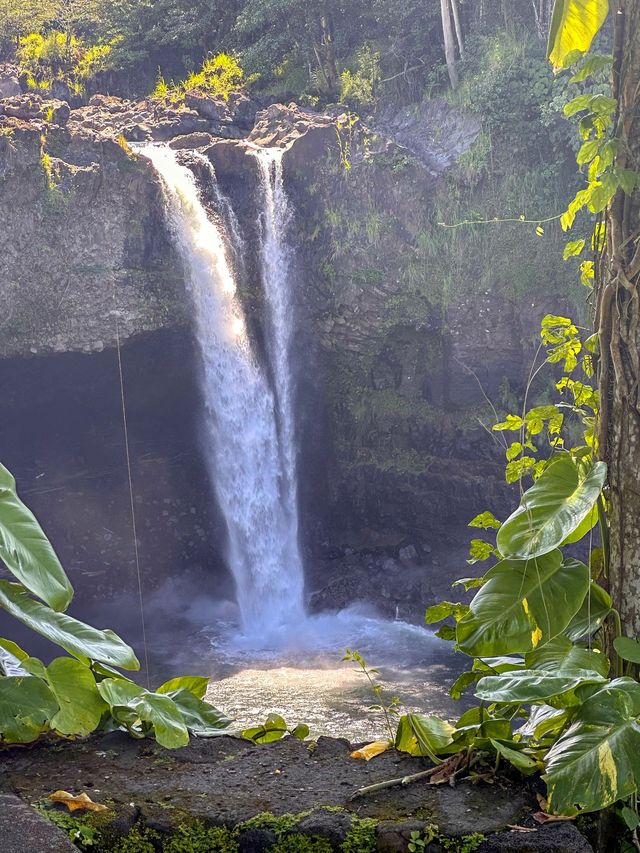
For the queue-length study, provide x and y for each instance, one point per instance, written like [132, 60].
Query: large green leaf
[532, 685]
[26, 706]
[196, 684]
[557, 503]
[200, 717]
[593, 611]
[160, 711]
[523, 605]
[421, 735]
[26, 551]
[74, 687]
[561, 655]
[73, 636]
[597, 761]
[574, 25]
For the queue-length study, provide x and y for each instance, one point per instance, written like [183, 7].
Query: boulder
[191, 140]
[36, 108]
[9, 81]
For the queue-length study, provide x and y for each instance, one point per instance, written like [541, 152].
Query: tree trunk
[456, 22]
[618, 324]
[449, 44]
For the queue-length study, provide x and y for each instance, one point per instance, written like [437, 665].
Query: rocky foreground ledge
[231, 796]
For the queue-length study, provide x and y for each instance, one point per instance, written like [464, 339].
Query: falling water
[250, 434]
[274, 218]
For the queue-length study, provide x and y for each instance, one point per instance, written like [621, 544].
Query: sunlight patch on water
[298, 673]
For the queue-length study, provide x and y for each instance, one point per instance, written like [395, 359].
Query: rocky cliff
[397, 327]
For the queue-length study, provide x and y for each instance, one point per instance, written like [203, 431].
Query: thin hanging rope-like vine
[131, 500]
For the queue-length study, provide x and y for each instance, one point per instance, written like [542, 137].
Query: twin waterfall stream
[281, 659]
[250, 440]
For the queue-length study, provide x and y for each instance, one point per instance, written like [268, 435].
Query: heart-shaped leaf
[551, 510]
[523, 605]
[597, 761]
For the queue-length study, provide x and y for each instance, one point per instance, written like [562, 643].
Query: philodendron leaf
[597, 761]
[26, 551]
[26, 706]
[593, 611]
[199, 717]
[196, 684]
[549, 512]
[532, 685]
[421, 735]
[73, 636]
[74, 687]
[523, 605]
[161, 712]
[574, 25]
[627, 648]
[561, 655]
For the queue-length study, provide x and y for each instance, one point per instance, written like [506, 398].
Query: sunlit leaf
[561, 655]
[522, 605]
[418, 734]
[196, 684]
[574, 25]
[552, 508]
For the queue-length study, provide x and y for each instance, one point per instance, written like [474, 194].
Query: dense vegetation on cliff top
[359, 51]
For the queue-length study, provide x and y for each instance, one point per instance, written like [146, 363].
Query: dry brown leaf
[372, 749]
[543, 817]
[73, 803]
[448, 769]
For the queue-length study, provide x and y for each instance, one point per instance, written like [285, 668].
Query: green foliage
[533, 627]
[361, 837]
[274, 728]
[358, 85]
[220, 75]
[389, 708]
[574, 25]
[420, 841]
[197, 838]
[76, 695]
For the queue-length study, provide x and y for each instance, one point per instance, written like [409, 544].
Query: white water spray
[250, 451]
[274, 253]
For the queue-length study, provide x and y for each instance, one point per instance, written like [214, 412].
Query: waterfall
[274, 254]
[249, 425]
